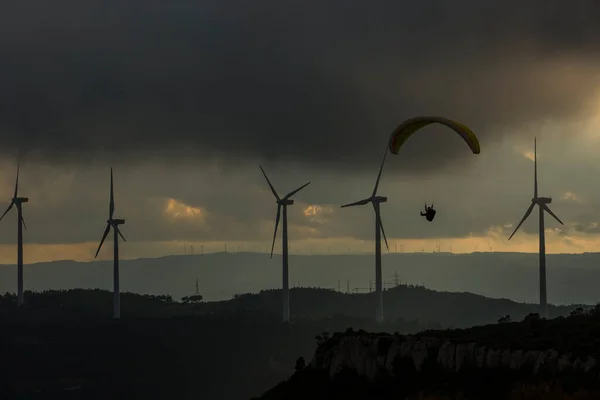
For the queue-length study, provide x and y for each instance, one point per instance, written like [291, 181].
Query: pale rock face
[564, 362]
[589, 364]
[406, 348]
[505, 358]
[372, 361]
[532, 359]
[361, 354]
[381, 358]
[517, 360]
[446, 354]
[552, 359]
[472, 354]
[356, 354]
[539, 361]
[480, 356]
[392, 353]
[461, 356]
[341, 355]
[585, 365]
[493, 358]
[419, 354]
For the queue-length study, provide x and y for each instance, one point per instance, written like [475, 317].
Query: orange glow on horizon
[495, 240]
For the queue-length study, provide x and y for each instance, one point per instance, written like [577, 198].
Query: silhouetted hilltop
[222, 275]
[409, 302]
[65, 343]
[532, 359]
[163, 348]
[423, 306]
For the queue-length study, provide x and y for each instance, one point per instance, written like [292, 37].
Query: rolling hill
[222, 275]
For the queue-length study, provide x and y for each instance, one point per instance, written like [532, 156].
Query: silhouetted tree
[504, 320]
[319, 339]
[192, 299]
[577, 312]
[300, 364]
[595, 310]
[532, 317]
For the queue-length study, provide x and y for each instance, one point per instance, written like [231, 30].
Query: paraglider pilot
[429, 213]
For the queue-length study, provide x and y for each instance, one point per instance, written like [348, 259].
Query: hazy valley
[222, 275]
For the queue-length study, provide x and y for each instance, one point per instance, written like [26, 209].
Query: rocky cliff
[491, 362]
[374, 355]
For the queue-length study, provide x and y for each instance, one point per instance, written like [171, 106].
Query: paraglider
[412, 125]
[429, 213]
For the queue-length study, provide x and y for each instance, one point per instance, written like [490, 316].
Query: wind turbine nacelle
[22, 199]
[543, 200]
[117, 221]
[380, 199]
[287, 202]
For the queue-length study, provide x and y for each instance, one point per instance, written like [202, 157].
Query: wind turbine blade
[290, 194]
[103, 238]
[276, 225]
[527, 213]
[120, 234]
[547, 209]
[17, 182]
[269, 182]
[357, 203]
[383, 233]
[111, 207]
[23, 222]
[380, 170]
[7, 210]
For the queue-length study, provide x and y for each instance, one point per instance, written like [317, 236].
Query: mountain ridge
[222, 275]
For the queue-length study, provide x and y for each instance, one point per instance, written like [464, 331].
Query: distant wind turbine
[542, 203]
[283, 203]
[376, 201]
[114, 223]
[18, 201]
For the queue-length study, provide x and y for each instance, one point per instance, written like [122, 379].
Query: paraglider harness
[429, 213]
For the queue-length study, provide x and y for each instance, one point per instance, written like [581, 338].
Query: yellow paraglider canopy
[412, 125]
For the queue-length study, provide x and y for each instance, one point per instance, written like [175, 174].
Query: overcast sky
[186, 99]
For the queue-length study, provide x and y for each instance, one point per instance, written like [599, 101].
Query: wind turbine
[542, 203]
[114, 223]
[18, 201]
[283, 203]
[376, 201]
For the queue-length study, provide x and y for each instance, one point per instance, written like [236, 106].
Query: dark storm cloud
[587, 228]
[322, 82]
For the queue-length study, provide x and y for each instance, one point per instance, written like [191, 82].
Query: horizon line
[366, 253]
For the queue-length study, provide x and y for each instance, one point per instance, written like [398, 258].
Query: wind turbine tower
[18, 202]
[542, 203]
[376, 201]
[283, 204]
[114, 224]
